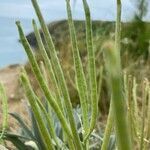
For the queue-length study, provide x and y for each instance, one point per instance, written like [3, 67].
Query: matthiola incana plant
[55, 123]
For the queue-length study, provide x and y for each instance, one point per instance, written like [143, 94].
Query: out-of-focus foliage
[138, 31]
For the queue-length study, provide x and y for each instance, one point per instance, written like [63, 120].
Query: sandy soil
[9, 76]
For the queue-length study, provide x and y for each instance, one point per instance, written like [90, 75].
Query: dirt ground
[9, 76]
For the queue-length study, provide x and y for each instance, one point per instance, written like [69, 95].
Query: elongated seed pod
[58, 73]
[91, 67]
[48, 64]
[80, 76]
[42, 82]
[144, 99]
[32, 100]
[50, 123]
[148, 116]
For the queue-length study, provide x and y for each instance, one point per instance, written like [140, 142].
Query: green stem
[108, 128]
[49, 122]
[148, 116]
[80, 77]
[42, 82]
[119, 104]
[100, 82]
[59, 74]
[144, 98]
[31, 97]
[48, 64]
[91, 67]
[136, 121]
[130, 107]
[118, 29]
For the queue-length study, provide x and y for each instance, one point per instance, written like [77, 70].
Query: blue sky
[55, 9]
[24, 9]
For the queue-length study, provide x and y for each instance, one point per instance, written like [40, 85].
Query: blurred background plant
[138, 32]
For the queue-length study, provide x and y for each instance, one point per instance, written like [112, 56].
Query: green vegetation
[138, 31]
[55, 123]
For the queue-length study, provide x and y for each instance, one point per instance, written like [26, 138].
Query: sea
[12, 52]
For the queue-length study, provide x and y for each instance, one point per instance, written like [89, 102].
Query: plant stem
[120, 105]
[144, 98]
[108, 128]
[80, 77]
[48, 64]
[148, 116]
[49, 121]
[118, 29]
[91, 67]
[59, 74]
[31, 97]
[42, 82]
[113, 66]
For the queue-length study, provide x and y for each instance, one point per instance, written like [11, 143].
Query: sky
[11, 10]
[55, 9]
